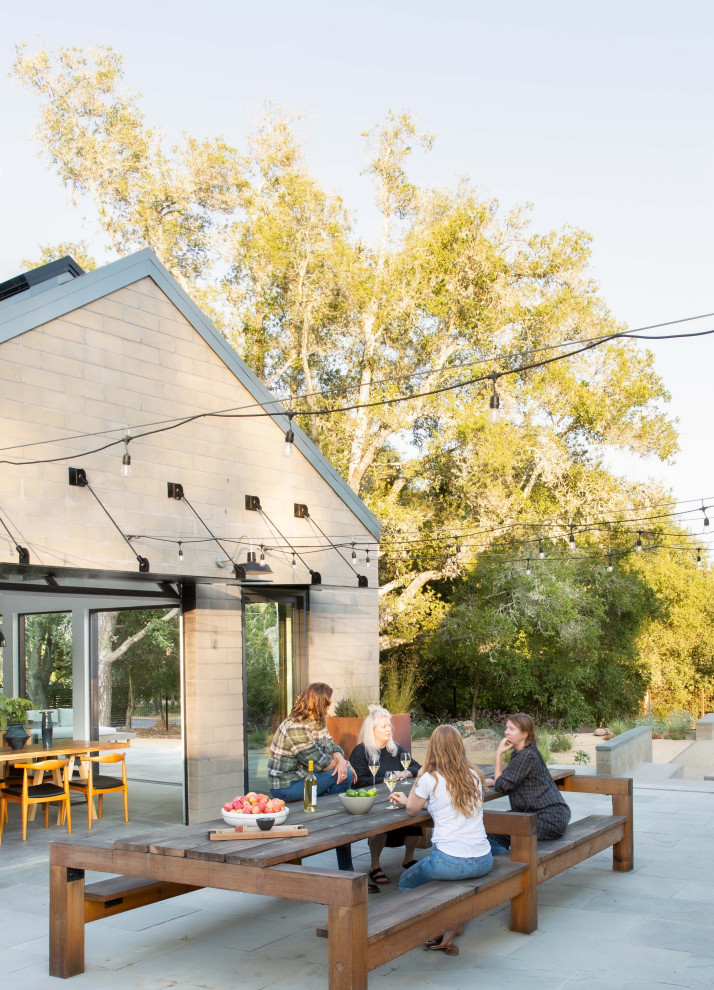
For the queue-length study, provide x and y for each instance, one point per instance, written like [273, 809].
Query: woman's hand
[489, 781]
[503, 747]
[398, 798]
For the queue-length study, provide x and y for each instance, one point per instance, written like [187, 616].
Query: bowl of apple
[246, 809]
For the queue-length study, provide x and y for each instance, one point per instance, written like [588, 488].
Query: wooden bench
[400, 923]
[117, 894]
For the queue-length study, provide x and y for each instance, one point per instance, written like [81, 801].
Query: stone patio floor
[597, 930]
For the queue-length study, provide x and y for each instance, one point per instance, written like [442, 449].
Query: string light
[126, 459]
[638, 545]
[180, 552]
[528, 567]
[294, 563]
[367, 561]
[354, 555]
[706, 517]
[289, 437]
[609, 561]
[494, 403]
[571, 541]
[541, 551]
[699, 556]
[262, 553]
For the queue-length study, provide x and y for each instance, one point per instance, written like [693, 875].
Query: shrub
[678, 723]
[619, 725]
[581, 757]
[561, 742]
[544, 748]
[399, 688]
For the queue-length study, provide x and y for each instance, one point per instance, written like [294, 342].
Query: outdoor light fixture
[301, 511]
[175, 491]
[699, 556]
[354, 555]
[367, 561]
[23, 554]
[289, 437]
[180, 552]
[571, 541]
[78, 479]
[609, 561]
[528, 567]
[706, 517]
[126, 459]
[294, 563]
[251, 567]
[494, 403]
[541, 551]
[638, 545]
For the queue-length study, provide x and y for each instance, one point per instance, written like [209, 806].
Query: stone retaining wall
[618, 756]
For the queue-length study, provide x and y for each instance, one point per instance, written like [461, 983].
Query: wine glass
[390, 779]
[405, 759]
[374, 768]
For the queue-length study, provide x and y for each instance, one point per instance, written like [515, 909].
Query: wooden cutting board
[246, 832]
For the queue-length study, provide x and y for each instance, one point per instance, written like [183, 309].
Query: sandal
[377, 875]
[412, 862]
[373, 888]
[435, 944]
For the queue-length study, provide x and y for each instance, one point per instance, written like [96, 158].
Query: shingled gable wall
[131, 357]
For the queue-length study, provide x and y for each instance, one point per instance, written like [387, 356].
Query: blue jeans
[440, 866]
[326, 784]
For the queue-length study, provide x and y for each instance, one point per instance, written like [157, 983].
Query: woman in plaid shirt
[527, 782]
[303, 737]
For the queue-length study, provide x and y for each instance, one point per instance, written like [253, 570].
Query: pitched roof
[26, 311]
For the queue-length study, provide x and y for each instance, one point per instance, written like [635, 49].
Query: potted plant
[13, 719]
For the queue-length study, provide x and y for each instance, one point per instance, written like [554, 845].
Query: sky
[597, 115]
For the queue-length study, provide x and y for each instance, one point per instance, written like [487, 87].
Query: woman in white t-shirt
[451, 789]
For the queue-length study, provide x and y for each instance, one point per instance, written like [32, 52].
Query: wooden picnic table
[182, 858]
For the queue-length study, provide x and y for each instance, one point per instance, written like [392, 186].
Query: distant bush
[561, 742]
[619, 725]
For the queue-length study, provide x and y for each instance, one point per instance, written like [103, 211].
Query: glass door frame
[300, 599]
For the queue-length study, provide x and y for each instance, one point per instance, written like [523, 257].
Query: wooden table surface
[273, 867]
[62, 747]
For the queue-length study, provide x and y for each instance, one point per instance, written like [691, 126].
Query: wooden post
[524, 908]
[623, 852]
[66, 921]
[347, 927]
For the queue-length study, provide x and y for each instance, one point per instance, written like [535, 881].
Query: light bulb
[609, 562]
[126, 463]
[638, 545]
[571, 541]
[262, 553]
[494, 409]
[289, 438]
[699, 556]
[528, 567]
[354, 555]
[294, 563]
[180, 552]
[541, 551]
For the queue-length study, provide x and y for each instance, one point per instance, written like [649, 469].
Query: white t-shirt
[454, 834]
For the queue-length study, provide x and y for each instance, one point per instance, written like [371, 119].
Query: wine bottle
[310, 804]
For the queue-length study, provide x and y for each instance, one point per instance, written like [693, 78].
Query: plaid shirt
[529, 786]
[294, 745]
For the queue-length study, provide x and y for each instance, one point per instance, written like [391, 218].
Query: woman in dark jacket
[527, 782]
[376, 743]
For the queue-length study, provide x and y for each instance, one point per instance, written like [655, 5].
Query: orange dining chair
[100, 784]
[27, 794]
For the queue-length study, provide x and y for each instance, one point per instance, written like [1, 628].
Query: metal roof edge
[31, 312]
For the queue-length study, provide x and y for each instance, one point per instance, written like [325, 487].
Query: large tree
[449, 290]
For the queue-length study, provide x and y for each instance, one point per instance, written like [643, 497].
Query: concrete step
[647, 773]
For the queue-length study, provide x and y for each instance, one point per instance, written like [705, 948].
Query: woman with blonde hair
[451, 789]
[377, 746]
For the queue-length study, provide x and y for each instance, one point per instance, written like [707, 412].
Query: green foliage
[678, 723]
[398, 688]
[263, 708]
[346, 708]
[581, 757]
[563, 641]
[48, 658]
[13, 710]
[544, 749]
[619, 725]
[561, 742]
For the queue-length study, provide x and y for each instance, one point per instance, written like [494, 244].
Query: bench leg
[347, 951]
[66, 921]
[623, 852]
[524, 907]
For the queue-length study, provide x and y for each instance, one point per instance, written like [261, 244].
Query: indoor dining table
[72, 748]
